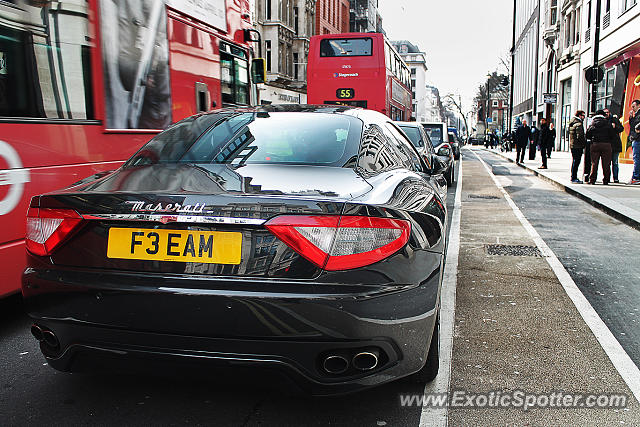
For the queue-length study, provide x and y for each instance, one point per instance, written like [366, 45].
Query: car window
[435, 133]
[413, 132]
[452, 138]
[249, 138]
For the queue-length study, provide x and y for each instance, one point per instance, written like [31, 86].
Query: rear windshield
[250, 138]
[346, 47]
[435, 133]
[414, 135]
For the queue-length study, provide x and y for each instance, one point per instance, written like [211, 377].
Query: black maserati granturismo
[309, 239]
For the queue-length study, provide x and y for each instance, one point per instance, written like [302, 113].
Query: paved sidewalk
[618, 200]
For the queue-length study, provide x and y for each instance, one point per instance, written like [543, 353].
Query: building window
[553, 12]
[628, 4]
[566, 115]
[413, 71]
[495, 103]
[268, 49]
[295, 66]
[604, 90]
[268, 11]
[550, 74]
[295, 19]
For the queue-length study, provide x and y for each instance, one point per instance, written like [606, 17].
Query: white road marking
[439, 416]
[618, 356]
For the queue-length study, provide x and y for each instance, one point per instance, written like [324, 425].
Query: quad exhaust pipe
[366, 360]
[363, 360]
[335, 364]
[45, 336]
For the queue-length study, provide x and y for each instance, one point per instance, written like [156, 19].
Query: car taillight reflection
[341, 243]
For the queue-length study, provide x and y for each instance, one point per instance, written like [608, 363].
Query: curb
[620, 212]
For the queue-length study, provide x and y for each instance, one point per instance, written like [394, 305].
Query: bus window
[346, 47]
[234, 77]
[43, 79]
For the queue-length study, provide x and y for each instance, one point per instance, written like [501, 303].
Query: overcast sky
[463, 39]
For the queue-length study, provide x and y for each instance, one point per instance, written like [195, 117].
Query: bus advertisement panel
[84, 84]
[359, 69]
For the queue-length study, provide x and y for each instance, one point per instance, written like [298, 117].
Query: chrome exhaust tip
[36, 331]
[50, 339]
[335, 364]
[365, 360]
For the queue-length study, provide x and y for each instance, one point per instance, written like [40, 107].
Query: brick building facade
[332, 16]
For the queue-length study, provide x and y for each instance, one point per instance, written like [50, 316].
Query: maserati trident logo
[139, 206]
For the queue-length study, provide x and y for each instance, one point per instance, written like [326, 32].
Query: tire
[451, 176]
[448, 177]
[429, 371]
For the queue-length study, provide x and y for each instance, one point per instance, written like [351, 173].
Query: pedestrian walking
[634, 137]
[552, 145]
[544, 140]
[601, 134]
[522, 135]
[616, 144]
[577, 142]
[533, 141]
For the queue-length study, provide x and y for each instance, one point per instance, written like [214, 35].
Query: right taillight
[341, 243]
[48, 228]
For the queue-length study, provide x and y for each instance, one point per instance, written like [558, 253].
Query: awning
[633, 51]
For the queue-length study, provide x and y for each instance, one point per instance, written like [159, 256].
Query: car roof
[412, 124]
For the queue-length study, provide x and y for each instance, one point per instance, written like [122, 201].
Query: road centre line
[616, 353]
[438, 416]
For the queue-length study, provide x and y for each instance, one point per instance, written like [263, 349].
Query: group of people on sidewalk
[543, 139]
[602, 142]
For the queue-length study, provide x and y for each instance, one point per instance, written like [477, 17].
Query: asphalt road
[32, 393]
[599, 252]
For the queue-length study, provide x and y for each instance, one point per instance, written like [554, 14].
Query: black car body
[298, 200]
[439, 137]
[422, 143]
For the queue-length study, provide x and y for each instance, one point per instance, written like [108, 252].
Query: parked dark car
[440, 141]
[306, 239]
[418, 137]
[455, 146]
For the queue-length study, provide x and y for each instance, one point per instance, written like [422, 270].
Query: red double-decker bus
[359, 69]
[83, 84]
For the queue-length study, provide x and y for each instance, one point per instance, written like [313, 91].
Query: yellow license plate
[213, 247]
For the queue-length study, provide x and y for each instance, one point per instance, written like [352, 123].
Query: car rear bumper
[97, 317]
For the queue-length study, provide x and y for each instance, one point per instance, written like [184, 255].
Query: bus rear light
[48, 228]
[333, 243]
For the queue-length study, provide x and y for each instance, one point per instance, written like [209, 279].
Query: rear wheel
[430, 369]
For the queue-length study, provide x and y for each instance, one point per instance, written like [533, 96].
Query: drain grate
[483, 196]
[512, 250]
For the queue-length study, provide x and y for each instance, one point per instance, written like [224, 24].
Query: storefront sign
[550, 98]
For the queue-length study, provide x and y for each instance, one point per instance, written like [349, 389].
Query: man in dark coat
[577, 142]
[523, 133]
[545, 139]
[616, 144]
[601, 135]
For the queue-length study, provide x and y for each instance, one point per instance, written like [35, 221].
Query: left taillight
[48, 228]
[341, 243]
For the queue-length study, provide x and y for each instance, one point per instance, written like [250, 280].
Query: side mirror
[438, 166]
[258, 70]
